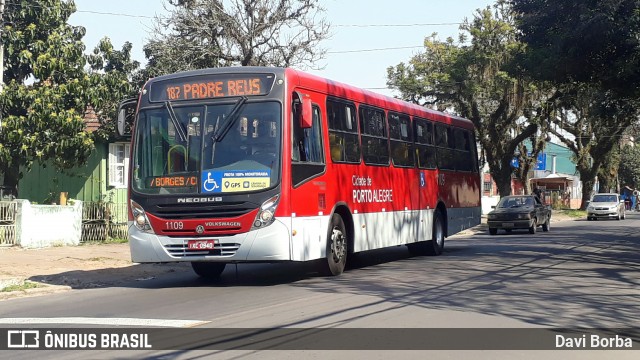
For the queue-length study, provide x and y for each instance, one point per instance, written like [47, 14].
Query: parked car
[519, 212]
[607, 206]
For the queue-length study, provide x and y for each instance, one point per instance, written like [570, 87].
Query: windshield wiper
[175, 121]
[231, 118]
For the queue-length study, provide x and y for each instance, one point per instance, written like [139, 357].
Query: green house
[101, 184]
[101, 179]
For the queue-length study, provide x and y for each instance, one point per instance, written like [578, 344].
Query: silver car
[607, 206]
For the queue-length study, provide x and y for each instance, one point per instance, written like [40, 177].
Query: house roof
[91, 121]
[554, 178]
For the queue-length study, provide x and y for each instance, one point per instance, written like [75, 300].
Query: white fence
[8, 223]
[47, 225]
[488, 202]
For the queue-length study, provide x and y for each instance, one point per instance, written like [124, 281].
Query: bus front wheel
[336, 257]
[208, 270]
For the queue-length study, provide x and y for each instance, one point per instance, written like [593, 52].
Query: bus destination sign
[211, 86]
[172, 181]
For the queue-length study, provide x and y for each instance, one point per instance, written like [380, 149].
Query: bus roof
[332, 88]
[338, 89]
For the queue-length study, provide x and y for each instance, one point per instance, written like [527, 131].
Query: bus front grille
[202, 211]
[223, 249]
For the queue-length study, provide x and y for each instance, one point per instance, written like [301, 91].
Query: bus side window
[424, 149]
[445, 147]
[307, 143]
[344, 144]
[401, 140]
[373, 129]
[307, 158]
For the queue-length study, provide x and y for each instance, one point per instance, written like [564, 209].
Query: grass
[21, 287]
[99, 258]
[574, 213]
[108, 241]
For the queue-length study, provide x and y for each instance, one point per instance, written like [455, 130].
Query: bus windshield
[177, 150]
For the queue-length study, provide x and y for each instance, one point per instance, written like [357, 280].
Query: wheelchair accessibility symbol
[422, 181]
[210, 184]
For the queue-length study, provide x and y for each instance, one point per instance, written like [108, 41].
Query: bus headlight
[140, 219]
[265, 216]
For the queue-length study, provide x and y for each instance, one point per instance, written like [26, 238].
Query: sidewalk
[74, 267]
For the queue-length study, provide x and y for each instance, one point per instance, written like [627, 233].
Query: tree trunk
[503, 182]
[607, 184]
[587, 187]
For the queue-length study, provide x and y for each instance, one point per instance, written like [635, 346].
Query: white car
[608, 206]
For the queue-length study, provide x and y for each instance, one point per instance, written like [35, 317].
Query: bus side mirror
[306, 113]
[126, 114]
[121, 121]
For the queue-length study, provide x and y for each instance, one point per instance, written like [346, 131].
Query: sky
[368, 36]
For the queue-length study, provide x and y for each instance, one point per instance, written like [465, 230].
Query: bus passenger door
[308, 202]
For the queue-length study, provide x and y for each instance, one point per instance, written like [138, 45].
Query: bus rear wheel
[336, 257]
[435, 246]
[208, 270]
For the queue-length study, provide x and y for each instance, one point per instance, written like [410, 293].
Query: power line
[114, 14]
[376, 49]
[336, 25]
[397, 25]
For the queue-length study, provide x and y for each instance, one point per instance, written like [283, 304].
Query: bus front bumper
[271, 243]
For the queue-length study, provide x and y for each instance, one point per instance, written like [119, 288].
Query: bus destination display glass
[211, 86]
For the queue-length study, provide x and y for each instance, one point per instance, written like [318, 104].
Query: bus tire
[337, 243]
[208, 270]
[435, 246]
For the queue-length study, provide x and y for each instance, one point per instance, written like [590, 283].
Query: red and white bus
[257, 164]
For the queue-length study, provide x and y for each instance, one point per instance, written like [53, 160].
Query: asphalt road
[579, 275]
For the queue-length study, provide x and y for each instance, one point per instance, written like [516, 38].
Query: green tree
[113, 76]
[49, 88]
[478, 81]
[608, 172]
[213, 33]
[45, 93]
[588, 41]
[629, 170]
[591, 50]
[590, 123]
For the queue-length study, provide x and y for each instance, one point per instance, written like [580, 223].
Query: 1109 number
[174, 225]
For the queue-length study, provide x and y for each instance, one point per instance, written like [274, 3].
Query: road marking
[103, 321]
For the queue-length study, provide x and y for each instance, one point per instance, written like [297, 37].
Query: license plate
[201, 244]
[507, 224]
